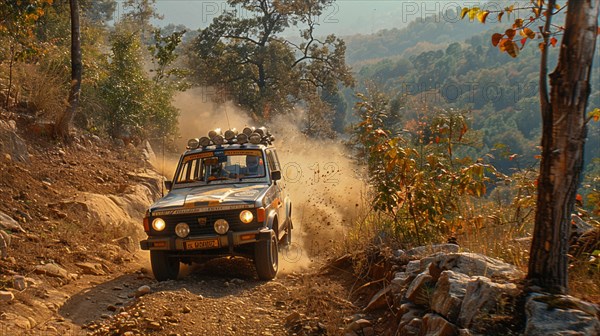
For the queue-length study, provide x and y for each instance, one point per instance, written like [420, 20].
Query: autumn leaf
[518, 23]
[523, 41]
[510, 33]
[473, 12]
[501, 14]
[463, 12]
[482, 16]
[553, 41]
[510, 158]
[595, 114]
[526, 32]
[496, 39]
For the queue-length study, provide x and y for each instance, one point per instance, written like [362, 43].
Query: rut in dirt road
[221, 297]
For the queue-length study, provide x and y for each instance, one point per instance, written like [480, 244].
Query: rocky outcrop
[550, 315]
[450, 293]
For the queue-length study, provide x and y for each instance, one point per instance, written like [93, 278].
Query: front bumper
[229, 240]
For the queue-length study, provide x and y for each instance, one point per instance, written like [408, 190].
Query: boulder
[420, 290]
[12, 144]
[560, 315]
[408, 312]
[474, 264]
[414, 267]
[448, 295]
[401, 280]
[91, 268]
[431, 249]
[482, 299]
[379, 300]
[52, 270]
[435, 325]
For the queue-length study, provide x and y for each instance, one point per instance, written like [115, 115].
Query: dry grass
[39, 89]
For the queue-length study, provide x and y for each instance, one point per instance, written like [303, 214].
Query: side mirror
[168, 185]
[276, 175]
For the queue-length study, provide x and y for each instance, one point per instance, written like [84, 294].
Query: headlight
[221, 226]
[182, 230]
[246, 216]
[193, 143]
[159, 224]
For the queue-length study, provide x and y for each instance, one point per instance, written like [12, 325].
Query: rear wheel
[266, 258]
[164, 267]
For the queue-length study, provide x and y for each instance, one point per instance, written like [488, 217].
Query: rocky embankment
[440, 291]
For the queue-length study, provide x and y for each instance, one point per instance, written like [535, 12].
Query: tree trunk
[65, 121]
[563, 139]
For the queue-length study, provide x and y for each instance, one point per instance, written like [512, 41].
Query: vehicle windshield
[221, 166]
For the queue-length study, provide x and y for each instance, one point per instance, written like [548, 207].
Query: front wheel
[164, 267]
[266, 258]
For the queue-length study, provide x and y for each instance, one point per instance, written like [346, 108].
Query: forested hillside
[437, 63]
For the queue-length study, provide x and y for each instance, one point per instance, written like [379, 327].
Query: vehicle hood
[230, 194]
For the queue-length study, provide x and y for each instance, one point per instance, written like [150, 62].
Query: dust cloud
[322, 180]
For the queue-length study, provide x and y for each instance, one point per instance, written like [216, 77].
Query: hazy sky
[343, 18]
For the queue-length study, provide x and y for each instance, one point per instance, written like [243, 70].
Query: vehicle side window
[272, 160]
[189, 171]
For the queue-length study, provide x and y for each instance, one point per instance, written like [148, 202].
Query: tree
[242, 53]
[564, 129]
[66, 119]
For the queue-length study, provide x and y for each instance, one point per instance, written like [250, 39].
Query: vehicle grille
[232, 217]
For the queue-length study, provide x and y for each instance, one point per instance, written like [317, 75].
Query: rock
[8, 223]
[579, 226]
[484, 297]
[52, 270]
[426, 250]
[6, 296]
[420, 290]
[358, 326]
[435, 325]
[401, 280]
[12, 144]
[148, 153]
[474, 264]
[19, 283]
[4, 243]
[560, 315]
[408, 312]
[91, 268]
[292, 319]
[143, 290]
[379, 300]
[414, 267]
[412, 328]
[448, 294]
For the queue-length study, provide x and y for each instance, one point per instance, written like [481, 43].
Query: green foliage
[247, 57]
[418, 180]
[134, 104]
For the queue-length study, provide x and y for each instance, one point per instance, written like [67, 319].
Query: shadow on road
[214, 279]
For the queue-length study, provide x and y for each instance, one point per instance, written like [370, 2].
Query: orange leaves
[526, 32]
[509, 46]
[507, 42]
[594, 115]
[496, 39]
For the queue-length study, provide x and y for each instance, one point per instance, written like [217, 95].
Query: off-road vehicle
[227, 198]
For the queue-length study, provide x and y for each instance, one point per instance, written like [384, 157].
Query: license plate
[201, 244]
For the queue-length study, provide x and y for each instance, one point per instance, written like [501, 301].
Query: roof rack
[216, 137]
